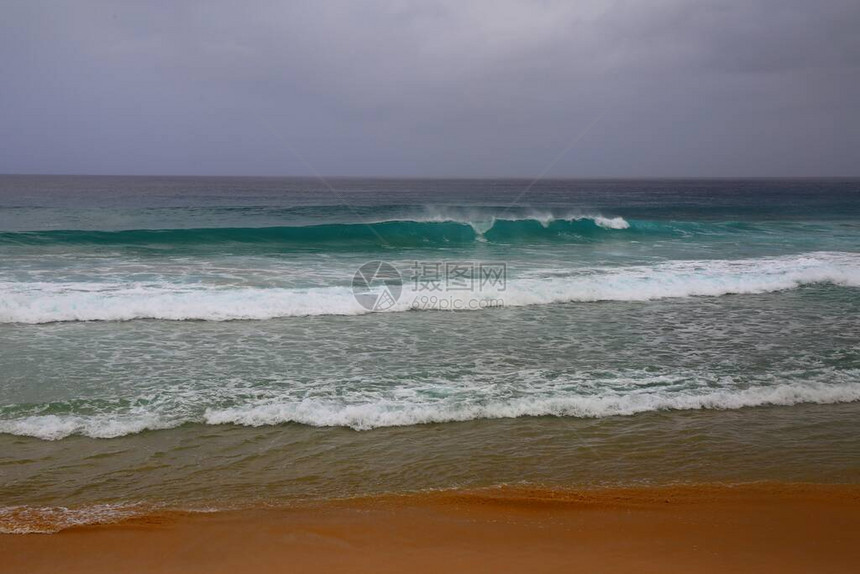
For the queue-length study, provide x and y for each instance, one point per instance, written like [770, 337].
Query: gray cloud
[698, 88]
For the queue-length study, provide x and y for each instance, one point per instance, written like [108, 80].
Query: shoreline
[788, 527]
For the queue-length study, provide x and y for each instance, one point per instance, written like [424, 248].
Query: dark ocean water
[221, 341]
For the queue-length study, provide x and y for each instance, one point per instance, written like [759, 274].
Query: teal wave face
[386, 233]
[407, 233]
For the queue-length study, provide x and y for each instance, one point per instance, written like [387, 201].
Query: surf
[363, 407]
[47, 302]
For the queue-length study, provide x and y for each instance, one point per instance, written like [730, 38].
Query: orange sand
[746, 528]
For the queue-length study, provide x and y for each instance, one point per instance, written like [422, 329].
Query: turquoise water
[198, 341]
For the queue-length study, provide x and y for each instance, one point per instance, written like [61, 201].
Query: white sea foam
[51, 519]
[55, 427]
[363, 407]
[23, 302]
[386, 414]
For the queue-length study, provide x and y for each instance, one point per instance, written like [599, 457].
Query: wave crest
[399, 233]
[529, 395]
[370, 416]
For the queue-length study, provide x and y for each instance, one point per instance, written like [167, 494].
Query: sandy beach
[705, 528]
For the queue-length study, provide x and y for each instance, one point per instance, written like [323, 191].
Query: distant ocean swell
[45, 302]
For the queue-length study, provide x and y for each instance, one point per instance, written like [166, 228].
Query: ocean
[202, 343]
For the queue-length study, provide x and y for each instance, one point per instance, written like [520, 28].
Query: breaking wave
[393, 233]
[413, 403]
[45, 302]
[369, 416]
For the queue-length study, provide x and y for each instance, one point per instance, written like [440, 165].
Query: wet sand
[703, 528]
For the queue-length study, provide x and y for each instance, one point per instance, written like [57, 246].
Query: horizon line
[445, 177]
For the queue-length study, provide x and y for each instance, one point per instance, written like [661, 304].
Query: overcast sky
[431, 88]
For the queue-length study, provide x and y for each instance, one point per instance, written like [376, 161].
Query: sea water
[213, 342]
